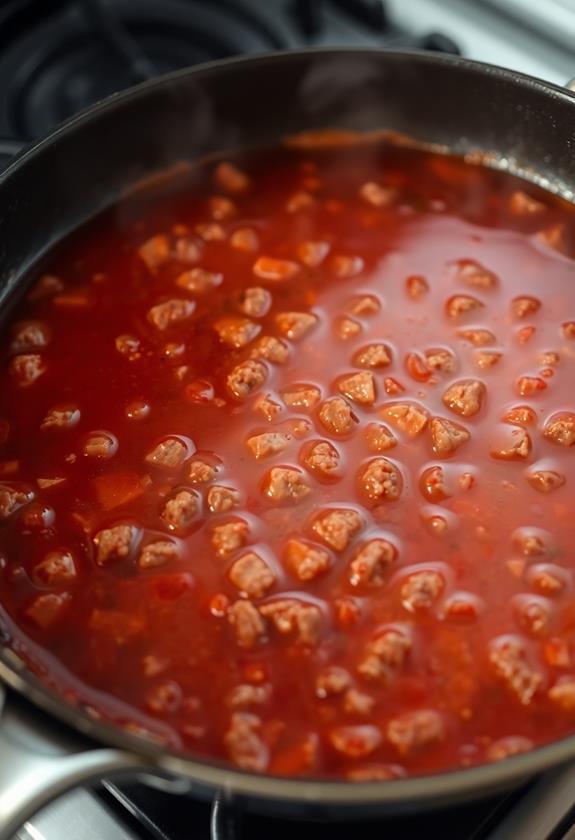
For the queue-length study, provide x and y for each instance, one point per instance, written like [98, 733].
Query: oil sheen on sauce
[287, 465]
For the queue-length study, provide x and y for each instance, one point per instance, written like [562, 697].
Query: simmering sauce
[287, 465]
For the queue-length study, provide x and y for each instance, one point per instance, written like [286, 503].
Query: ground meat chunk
[45, 610]
[421, 590]
[221, 499]
[236, 332]
[332, 681]
[57, 569]
[101, 445]
[528, 386]
[344, 266]
[359, 387]
[459, 305]
[174, 311]
[275, 270]
[321, 458]
[465, 397]
[29, 335]
[251, 575]
[485, 359]
[246, 622]
[562, 694]
[285, 485]
[61, 417]
[294, 325]
[200, 472]
[529, 543]
[365, 305]
[47, 286]
[169, 454]
[522, 204]
[385, 653]
[267, 407]
[336, 416]
[180, 512]
[355, 741]
[376, 195]
[346, 328]
[272, 349]
[477, 336]
[372, 356]
[520, 415]
[379, 438]
[228, 177]
[155, 252]
[301, 396]
[198, 280]
[545, 481]
[312, 253]
[129, 346]
[507, 747]
[254, 302]
[27, 368]
[291, 616]
[416, 286]
[509, 661]
[267, 444]
[560, 428]
[229, 537]
[211, 232]
[221, 208]
[380, 480]
[358, 703]
[413, 731]
[533, 614]
[408, 418]
[305, 560]
[417, 367]
[525, 305]
[246, 377]
[336, 527]
[300, 200]
[441, 360]
[114, 543]
[244, 239]
[371, 562]
[548, 579]
[474, 274]
[244, 742]
[511, 445]
[158, 553]
[244, 695]
[446, 437]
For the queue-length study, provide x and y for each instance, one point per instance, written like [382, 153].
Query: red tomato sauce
[287, 465]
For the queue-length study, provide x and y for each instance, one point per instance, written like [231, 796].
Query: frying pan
[527, 125]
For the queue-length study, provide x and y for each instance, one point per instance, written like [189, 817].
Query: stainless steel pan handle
[40, 760]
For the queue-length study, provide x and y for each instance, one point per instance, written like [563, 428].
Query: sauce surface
[287, 465]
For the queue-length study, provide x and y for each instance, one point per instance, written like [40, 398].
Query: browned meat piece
[371, 562]
[528, 386]
[275, 270]
[365, 305]
[158, 553]
[114, 543]
[560, 428]
[169, 454]
[221, 499]
[200, 472]
[515, 445]
[61, 417]
[235, 331]
[173, 311]
[379, 438]
[459, 305]
[562, 694]
[301, 396]
[376, 195]
[441, 360]
[293, 617]
[522, 204]
[267, 444]
[446, 437]
[251, 575]
[346, 328]
[211, 232]
[101, 445]
[294, 325]
[29, 335]
[246, 378]
[385, 654]
[12, 499]
[465, 397]
[228, 177]
[229, 537]
[525, 305]
[271, 348]
[47, 286]
[57, 569]
[520, 415]
[416, 286]
[336, 527]
[409, 418]
[321, 458]
[355, 741]
[27, 368]
[198, 280]
[421, 590]
[285, 485]
[474, 274]
[372, 356]
[509, 661]
[247, 624]
[165, 698]
[312, 253]
[244, 695]
[414, 731]
[332, 681]
[336, 416]
[344, 266]
[180, 512]
[221, 208]
[305, 560]
[358, 703]
[545, 481]
[549, 358]
[155, 252]
[380, 480]
[506, 747]
[359, 387]
[300, 200]
[267, 407]
[45, 610]
[245, 744]
[255, 302]
[477, 336]
[485, 359]
[244, 239]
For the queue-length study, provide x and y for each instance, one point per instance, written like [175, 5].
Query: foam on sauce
[287, 465]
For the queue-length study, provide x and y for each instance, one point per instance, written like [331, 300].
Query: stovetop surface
[59, 56]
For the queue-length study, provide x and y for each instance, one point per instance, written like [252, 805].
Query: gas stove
[60, 56]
